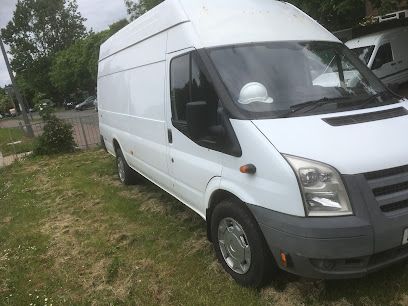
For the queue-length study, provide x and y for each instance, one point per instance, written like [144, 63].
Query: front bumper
[349, 246]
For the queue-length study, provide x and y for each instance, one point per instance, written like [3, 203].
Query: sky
[99, 14]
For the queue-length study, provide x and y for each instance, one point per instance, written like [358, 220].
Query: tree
[386, 6]
[77, 66]
[39, 29]
[333, 14]
[137, 9]
[5, 103]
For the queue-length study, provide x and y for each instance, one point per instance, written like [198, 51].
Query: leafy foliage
[56, 138]
[5, 103]
[76, 67]
[137, 9]
[386, 6]
[38, 30]
[334, 14]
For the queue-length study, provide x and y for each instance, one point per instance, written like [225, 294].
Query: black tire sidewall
[130, 175]
[262, 262]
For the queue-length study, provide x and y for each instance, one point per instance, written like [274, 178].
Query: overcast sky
[99, 14]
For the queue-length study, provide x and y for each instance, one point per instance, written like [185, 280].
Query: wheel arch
[116, 144]
[218, 191]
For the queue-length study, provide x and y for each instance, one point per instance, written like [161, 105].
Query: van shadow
[168, 205]
[380, 287]
[384, 287]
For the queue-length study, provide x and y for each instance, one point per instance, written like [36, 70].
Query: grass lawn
[71, 234]
[9, 135]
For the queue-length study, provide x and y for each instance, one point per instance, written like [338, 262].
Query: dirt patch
[293, 294]
[404, 300]
[7, 220]
[196, 244]
[111, 180]
[154, 206]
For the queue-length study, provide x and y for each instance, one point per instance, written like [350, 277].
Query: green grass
[71, 234]
[10, 135]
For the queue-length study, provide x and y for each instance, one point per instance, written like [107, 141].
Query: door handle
[393, 64]
[169, 136]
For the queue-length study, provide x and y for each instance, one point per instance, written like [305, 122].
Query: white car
[268, 127]
[386, 53]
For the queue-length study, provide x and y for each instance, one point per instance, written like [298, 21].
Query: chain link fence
[14, 143]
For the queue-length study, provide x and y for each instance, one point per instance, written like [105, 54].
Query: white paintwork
[227, 22]
[134, 108]
[274, 186]
[190, 165]
[351, 149]
[395, 72]
[241, 21]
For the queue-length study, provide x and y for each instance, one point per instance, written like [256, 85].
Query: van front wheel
[127, 175]
[239, 244]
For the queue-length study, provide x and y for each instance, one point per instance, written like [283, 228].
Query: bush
[57, 138]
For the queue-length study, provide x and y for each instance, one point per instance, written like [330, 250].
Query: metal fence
[14, 142]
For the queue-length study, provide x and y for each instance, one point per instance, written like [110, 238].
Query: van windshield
[364, 53]
[281, 79]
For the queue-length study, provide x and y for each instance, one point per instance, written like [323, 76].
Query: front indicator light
[322, 188]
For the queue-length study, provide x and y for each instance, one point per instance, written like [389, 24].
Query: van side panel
[400, 49]
[132, 106]
[164, 16]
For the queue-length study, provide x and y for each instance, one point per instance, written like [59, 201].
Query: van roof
[373, 39]
[225, 22]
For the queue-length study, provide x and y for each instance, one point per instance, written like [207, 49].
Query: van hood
[351, 149]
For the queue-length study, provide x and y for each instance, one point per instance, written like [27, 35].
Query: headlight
[323, 191]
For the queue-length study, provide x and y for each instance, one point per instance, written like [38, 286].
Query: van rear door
[191, 165]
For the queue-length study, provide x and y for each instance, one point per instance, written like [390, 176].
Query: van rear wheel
[239, 244]
[127, 175]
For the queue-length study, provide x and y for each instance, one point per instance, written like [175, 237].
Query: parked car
[386, 53]
[87, 104]
[13, 112]
[258, 131]
[69, 104]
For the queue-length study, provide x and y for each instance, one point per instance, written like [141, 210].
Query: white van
[386, 53]
[242, 111]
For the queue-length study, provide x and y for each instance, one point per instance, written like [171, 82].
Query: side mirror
[197, 119]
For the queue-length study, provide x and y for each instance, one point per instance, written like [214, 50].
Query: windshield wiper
[371, 98]
[312, 104]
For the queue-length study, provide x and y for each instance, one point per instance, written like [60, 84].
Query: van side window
[180, 86]
[203, 90]
[384, 56]
[189, 83]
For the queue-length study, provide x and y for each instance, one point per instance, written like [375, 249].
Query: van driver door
[191, 165]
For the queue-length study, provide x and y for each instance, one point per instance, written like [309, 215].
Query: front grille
[390, 188]
[395, 206]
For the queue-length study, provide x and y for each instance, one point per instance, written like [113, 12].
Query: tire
[126, 175]
[103, 145]
[254, 268]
